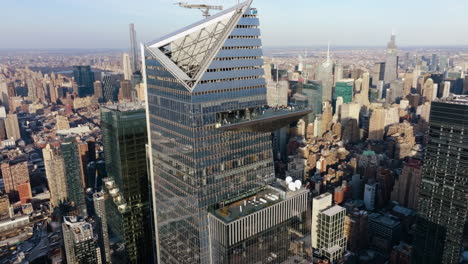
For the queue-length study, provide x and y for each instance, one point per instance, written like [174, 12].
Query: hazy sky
[104, 23]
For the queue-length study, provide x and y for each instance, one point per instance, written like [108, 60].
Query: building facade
[75, 188]
[127, 207]
[79, 241]
[15, 178]
[12, 127]
[442, 207]
[205, 89]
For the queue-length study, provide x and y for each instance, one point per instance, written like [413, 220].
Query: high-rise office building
[370, 190]
[15, 173]
[12, 127]
[378, 72]
[385, 232]
[377, 124]
[55, 173]
[126, 66]
[111, 85]
[442, 207]
[133, 49]
[325, 75]
[3, 134]
[210, 148]
[391, 62]
[84, 79]
[75, 188]
[406, 189]
[79, 241]
[99, 206]
[331, 242]
[313, 91]
[356, 229]
[125, 92]
[98, 90]
[344, 88]
[124, 139]
[319, 203]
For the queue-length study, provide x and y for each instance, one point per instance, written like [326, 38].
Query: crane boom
[205, 9]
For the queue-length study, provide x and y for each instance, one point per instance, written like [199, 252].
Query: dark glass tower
[206, 93]
[128, 217]
[84, 78]
[110, 86]
[443, 208]
[75, 189]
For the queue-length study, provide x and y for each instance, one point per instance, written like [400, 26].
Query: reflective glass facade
[127, 192]
[195, 165]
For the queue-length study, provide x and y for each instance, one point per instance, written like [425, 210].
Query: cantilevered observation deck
[261, 119]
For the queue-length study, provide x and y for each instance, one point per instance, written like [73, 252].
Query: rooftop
[264, 198]
[386, 220]
[454, 99]
[333, 210]
[124, 107]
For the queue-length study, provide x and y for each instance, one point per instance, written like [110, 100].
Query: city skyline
[81, 25]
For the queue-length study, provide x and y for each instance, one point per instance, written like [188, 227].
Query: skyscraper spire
[328, 52]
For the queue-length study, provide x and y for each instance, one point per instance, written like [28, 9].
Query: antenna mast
[205, 9]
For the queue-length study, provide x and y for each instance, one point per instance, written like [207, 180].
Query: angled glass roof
[192, 48]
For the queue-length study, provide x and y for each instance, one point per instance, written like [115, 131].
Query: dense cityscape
[203, 146]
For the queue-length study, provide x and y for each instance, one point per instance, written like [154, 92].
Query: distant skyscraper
[55, 173]
[133, 49]
[434, 62]
[325, 75]
[75, 189]
[84, 78]
[78, 239]
[338, 73]
[12, 127]
[442, 207]
[391, 62]
[207, 155]
[127, 67]
[124, 138]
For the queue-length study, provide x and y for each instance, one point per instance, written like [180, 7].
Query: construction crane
[205, 9]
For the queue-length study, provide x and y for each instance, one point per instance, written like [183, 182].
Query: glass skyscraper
[443, 208]
[206, 95]
[75, 188]
[127, 204]
[84, 78]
